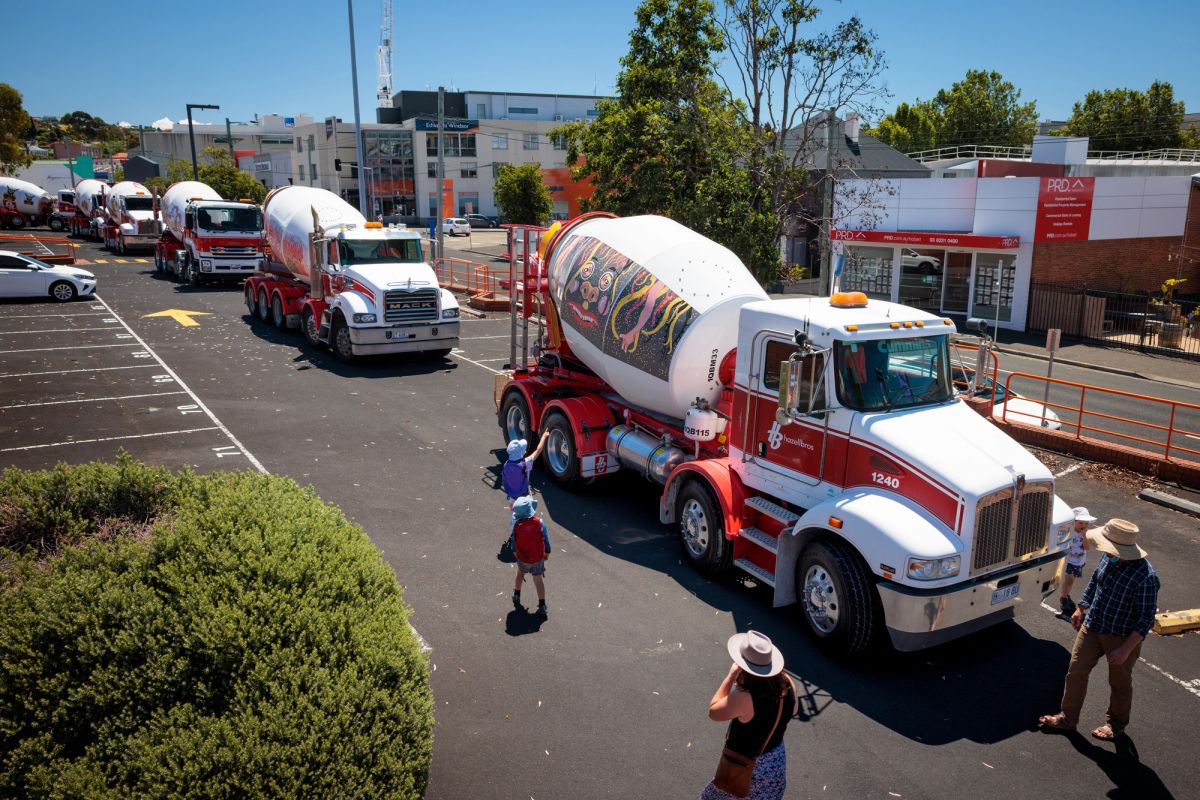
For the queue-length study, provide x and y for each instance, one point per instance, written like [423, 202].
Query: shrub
[220, 636]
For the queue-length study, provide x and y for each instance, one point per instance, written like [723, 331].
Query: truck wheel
[560, 456]
[264, 305]
[121, 251]
[193, 273]
[514, 417]
[16, 222]
[277, 316]
[702, 530]
[62, 291]
[311, 327]
[250, 306]
[339, 340]
[56, 224]
[836, 598]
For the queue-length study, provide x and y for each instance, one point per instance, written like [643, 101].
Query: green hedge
[220, 636]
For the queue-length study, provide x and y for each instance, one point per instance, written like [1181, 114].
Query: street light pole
[192, 136]
[358, 137]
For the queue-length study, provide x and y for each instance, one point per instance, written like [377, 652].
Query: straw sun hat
[1118, 537]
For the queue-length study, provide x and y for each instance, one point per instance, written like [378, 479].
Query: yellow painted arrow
[184, 318]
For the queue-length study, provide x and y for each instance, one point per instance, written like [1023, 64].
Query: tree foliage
[982, 108]
[169, 635]
[177, 170]
[222, 174]
[674, 142]
[521, 195]
[14, 129]
[1129, 119]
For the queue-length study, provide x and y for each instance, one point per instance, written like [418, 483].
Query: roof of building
[868, 154]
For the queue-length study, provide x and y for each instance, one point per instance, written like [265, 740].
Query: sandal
[1057, 722]
[1105, 733]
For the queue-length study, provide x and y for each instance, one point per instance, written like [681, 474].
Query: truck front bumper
[220, 268]
[404, 339]
[139, 239]
[917, 618]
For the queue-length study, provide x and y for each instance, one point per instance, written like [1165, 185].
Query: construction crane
[383, 55]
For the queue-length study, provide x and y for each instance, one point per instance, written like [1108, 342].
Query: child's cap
[524, 507]
[516, 449]
[1082, 515]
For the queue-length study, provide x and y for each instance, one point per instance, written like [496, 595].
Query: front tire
[339, 340]
[121, 250]
[62, 291]
[514, 417]
[56, 224]
[559, 456]
[311, 327]
[16, 222]
[836, 597]
[702, 530]
[193, 273]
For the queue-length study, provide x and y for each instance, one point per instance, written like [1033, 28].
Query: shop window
[531, 141]
[499, 141]
[431, 170]
[466, 145]
[468, 169]
[921, 278]
[451, 140]
[868, 270]
[468, 203]
[995, 277]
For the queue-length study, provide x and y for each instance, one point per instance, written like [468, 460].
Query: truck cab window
[379, 251]
[884, 374]
[776, 352]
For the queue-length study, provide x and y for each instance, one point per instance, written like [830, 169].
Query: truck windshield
[884, 374]
[241, 219]
[139, 203]
[379, 251]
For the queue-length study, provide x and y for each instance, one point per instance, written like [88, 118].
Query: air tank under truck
[817, 444]
[206, 239]
[354, 285]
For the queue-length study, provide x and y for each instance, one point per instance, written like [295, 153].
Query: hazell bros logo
[775, 439]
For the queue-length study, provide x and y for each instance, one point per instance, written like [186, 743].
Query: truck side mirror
[189, 221]
[789, 392]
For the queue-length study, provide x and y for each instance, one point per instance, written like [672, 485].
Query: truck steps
[757, 572]
[760, 538]
[773, 510]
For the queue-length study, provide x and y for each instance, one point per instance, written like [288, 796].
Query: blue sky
[140, 60]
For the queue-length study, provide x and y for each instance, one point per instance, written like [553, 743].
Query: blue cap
[524, 507]
[516, 449]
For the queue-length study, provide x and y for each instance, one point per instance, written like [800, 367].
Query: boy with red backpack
[531, 543]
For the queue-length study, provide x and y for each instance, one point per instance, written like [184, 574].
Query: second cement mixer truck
[356, 286]
[206, 239]
[129, 217]
[816, 444]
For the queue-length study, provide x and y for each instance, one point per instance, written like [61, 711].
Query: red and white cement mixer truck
[354, 285]
[206, 239]
[817, 444]
[23, 204]
[129, 217]
[88, 219]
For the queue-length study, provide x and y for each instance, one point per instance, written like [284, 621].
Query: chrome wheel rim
[277, 311]
[250, 302]
[264, 307]
[310, 328]
[694, 525]
[62, 292]
[515, 424]
[820, 599]
[558, 451]
[344, 345]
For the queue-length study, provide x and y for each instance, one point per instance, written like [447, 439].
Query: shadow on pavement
[1131, 778]
[521, 622]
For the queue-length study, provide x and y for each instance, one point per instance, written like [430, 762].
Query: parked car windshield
[240, 219]
[884, 374]
[139, 203]
[378, 251]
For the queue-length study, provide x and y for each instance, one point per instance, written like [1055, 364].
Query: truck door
[791, 451]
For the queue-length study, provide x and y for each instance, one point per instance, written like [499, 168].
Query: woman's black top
[747, 737]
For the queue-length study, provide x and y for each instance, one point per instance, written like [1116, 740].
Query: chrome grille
[1004, 537]
[401, 306]
[248, 250]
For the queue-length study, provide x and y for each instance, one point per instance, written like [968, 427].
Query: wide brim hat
[755, 654]
[1118, 537]
[516, 449]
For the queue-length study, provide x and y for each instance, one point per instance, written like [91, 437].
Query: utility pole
[192, 135]
[229, 138]
[358, 138]
[441, 179]
[827, 203]
[142, 139]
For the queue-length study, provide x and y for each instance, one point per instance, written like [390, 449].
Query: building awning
[972, 241]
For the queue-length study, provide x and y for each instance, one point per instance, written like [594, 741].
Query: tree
[14, 125]
[674, 142]
[226, 179]
[82, 126]
[1128, 119]
[910, 128]
[520, 194]
[177, 170]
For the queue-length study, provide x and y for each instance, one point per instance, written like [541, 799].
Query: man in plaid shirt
[1114, 616]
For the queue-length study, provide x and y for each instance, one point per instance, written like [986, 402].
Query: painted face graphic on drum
[588, 295]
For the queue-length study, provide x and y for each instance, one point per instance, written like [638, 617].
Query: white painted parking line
[73, 347]
[107, 439]
[199, 403]
[461, 357]
[90, 400]
[1069, 470]
[486, 360]
[471, 338]
[39, 316]
[68, 371]
[53, 330]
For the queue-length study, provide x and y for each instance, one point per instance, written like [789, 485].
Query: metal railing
[972, 151]
[1166, 154]
[51, 249]
[1177, 425]
[471, 277]
[964, 370]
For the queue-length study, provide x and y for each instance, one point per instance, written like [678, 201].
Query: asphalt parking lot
[607, 697]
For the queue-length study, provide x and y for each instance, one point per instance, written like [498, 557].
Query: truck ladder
[524, 271]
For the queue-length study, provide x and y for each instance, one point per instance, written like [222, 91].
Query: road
[608, 697]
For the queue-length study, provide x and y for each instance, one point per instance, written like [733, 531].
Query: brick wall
[1191, 237]
[1123, 265]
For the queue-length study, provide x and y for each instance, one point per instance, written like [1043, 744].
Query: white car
[1009, 405]
[23, 276]
[456, 226]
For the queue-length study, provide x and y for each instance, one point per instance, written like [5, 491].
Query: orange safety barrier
[962, 371]
[50, 249]
[480, 282]
[1171, 409]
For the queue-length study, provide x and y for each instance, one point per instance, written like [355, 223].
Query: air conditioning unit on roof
[558, 117]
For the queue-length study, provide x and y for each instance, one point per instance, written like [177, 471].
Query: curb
[1170, 501]
[1128, 373]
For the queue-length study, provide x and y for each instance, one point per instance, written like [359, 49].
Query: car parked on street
[23, 276]
[1007, 404]
[456, 226]
[482, 221]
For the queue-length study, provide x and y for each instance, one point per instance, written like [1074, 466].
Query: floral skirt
[769, 782]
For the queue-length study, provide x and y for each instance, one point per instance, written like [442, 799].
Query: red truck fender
[590, 420]
[722, 481]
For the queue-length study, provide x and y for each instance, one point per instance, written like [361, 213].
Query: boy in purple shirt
[514, 476]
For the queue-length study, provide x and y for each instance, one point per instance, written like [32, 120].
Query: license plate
[398, 335]
[1007, 593]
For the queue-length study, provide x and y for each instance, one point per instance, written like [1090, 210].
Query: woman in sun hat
[1113, 617]
[1076, 559]
[758, 698]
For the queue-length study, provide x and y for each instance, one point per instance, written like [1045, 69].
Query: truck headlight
[205, 265]
[364, 319]
[932, 569]
[449, 313]
[1064, 531]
